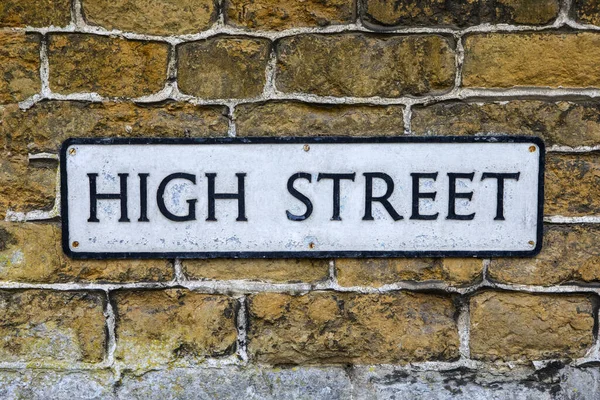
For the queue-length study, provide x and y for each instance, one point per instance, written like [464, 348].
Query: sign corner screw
[531, 243]
[72, 151]
[532, 149]
[306, 147]
[76, 244]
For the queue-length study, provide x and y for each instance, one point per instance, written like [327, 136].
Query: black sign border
[300, 140]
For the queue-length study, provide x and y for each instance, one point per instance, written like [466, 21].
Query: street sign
[302, 197]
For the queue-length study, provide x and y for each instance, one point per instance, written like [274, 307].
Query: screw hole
[311, 245]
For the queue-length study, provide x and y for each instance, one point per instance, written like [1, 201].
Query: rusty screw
[532, 149]
[311, 245]
[72, 151]
[75, 244]
[306, 147]
[531, 242]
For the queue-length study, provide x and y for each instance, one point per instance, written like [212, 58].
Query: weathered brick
[326, 327]
[572, 186]
[548, 59]
[570, 253]
[173, 326]
[284, 270]
[564, 123]
[383, 271]
[586, 11]
[43, 127]
[285, 118]
[24, 187]
[19, 66]
[520, 326]
[32, 253]
[361, 65]
[461, 13]
[21, 13]
[162, 17]
[278, 15]
[223, 67]
[43, 326]
[106, 65]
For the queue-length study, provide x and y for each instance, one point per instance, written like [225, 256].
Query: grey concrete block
[56, 385]
[237, 383]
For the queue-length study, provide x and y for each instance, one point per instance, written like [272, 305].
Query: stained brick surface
[460, 13]
[342, 328]
[364, 328]
[521, 326]
[545, 59]
[106, 65]
[364, 65]
[43, 326]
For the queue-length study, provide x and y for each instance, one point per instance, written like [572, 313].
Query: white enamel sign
[300, 197]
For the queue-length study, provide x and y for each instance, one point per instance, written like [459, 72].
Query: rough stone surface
[44, 127]
[586, 11]
[361, 65]
[19, 66]
[580, 383]
[548, 59]
[459, 13]
[390, 384]
[43, 326]
[278, 15]
[106, 65]
[270, 270]
[25, 187]
[162, 17]
[283, 118]
[32, 253]
[42, 384]
[521, 326]
[172, 326]
[551, 382]
[232, 383]
[303, 339]
[326, 327]
[383, 271]
[223, 67]
[564, 123]
[21, 13]
[325, 383]
[572, 186]
[554, 381]
[570, 254]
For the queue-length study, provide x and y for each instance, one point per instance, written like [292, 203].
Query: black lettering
[369, 199]
[143, 198]
[417, 195]
[95, 196]
[239, 196]
[305, 200]
[500, 192]
[336, 190]
[452, 177]
[191, 215]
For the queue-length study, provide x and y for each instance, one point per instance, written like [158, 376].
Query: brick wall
[346, 328]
